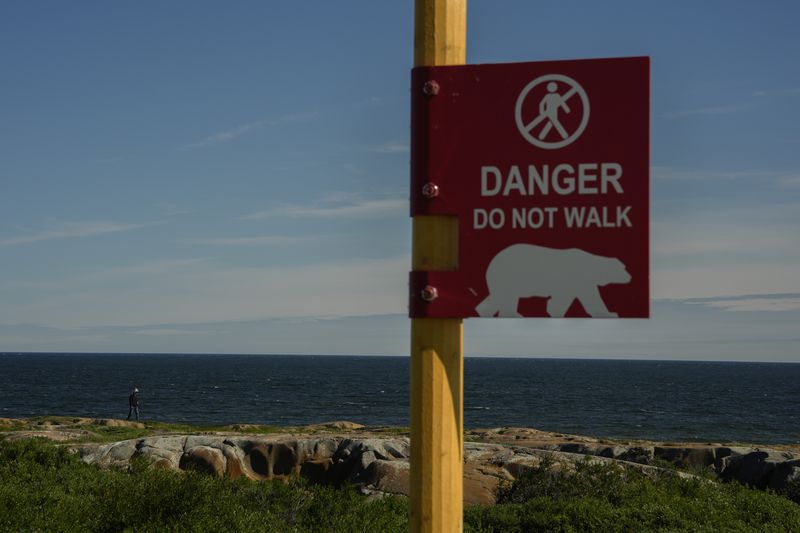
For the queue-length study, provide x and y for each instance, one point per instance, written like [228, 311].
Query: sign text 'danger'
[563, 179]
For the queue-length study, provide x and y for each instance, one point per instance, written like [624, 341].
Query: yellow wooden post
[437, 366]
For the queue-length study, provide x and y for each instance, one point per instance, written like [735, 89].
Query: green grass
[391, 431]
[101, 433]
[166, 427]
[111, 433]
[43, 487]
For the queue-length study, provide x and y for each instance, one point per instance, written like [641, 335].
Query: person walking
[133, 404]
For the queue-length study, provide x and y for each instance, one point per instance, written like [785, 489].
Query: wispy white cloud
[390, 147]
[238, 131]
[168, 332]
[93, 277]
[369, 102]
[151, 268]
[726, 250]
[212, 292]
[732, 108]
[777, 92]
[773, 303]
[264, 240]
[71, 230]
[353, 209]
[685, 174]
[724, 278]
[726, 234]
[172, 210]
[710, 110]
[52, 342]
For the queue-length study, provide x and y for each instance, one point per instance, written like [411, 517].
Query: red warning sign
[546, 166]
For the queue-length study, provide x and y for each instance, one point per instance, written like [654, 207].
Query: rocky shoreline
[376, 459]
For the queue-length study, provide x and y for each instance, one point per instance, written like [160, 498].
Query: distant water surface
[663, 400]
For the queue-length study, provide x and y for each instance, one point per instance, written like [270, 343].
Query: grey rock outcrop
[376, 465]
[761, 468]
[370, 463]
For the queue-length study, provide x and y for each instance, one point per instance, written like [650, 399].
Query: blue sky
[232, 177]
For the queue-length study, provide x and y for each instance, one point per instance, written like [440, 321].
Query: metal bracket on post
[430, 190]
[438, 294]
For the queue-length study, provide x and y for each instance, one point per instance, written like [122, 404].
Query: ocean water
[664, 400]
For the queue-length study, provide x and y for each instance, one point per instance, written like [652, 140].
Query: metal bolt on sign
[430, 88]
[430, 190]
[429, 293]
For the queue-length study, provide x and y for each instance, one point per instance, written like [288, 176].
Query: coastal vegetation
[597, 497]
[44, 487]
[106, 430]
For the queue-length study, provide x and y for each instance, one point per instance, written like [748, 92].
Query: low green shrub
[792, 491]
[608, 498]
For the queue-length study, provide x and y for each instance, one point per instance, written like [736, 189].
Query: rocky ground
[376, 459]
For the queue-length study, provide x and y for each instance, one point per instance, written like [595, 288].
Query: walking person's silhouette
[549, 108]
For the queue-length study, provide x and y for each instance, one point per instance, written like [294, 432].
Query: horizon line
[546, 357]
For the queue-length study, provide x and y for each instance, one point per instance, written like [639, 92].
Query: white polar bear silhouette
[525, 270]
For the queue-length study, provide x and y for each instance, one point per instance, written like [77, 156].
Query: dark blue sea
[663, 400]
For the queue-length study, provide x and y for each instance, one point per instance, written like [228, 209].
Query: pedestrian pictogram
[553, 95]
